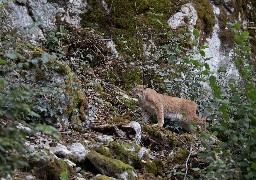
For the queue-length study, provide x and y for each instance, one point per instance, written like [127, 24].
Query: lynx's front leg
[160, 116]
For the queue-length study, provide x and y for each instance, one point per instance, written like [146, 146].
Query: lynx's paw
[157, 125]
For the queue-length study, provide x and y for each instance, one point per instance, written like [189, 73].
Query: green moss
[205, 14]
[150, 167]
[53, 169]
[180, 157]
[120, 149]
[98, 87]
[123, 119]
[131, 104]
[161, 135]
[128, 22]
[109, 166]
[101, 177]
[128, 45]
[123, 76]
[154, 167]
[103, 150]
[58, 67]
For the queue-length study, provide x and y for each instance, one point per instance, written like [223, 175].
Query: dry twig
[190, 151]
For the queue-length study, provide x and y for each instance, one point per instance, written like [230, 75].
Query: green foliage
[15, 101]
[54, 38]
[178, 72]
[64, 175]
[22, 65]
[234, 157]
[12, 149]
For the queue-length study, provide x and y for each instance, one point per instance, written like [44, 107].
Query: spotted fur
[179, 109]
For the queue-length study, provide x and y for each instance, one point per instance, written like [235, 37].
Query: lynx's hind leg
[145, 116]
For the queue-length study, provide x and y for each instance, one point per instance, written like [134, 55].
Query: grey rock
[60, 150]
[78, 169]
[137, 128]
[17, 18]
[142, 152]
[21, 126]
[29, 177]
[70, 163]
[44, 13]
[78, 150]
[105, 138]
[187, 11]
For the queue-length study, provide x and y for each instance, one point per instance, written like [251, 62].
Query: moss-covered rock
[123, 119]
[128, 22]
[101, 177]
[51, 169]
[205, 14]
[126, 152]
[127, 75]
[103, 150]
[109, 166]
[129, 153]
[162, 138]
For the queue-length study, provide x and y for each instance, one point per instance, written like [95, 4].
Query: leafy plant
[64, 175]
[54, 38]
[234, 157]
[181, 69]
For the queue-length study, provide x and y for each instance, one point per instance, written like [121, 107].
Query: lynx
[182, 110]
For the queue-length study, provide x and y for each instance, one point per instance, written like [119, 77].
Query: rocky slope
[76, 62]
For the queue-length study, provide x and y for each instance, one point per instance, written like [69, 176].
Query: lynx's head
[138, 91]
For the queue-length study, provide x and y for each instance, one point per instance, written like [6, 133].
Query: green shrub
[234, 157]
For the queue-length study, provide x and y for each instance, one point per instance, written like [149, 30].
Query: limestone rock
[60, 150]
[78, 151]
[186, 16]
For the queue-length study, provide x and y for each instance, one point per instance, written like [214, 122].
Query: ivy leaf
[234, 137]
[245, 34]
[64, 175]
[237, 26]
[12, 55]
[202, 53]
[196, 169]
[196, 32]
[252, 95]
[2, 62]
[195, 62]
[246, 48]
[253, 166]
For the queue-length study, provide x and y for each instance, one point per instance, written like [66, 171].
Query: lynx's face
[138, 91]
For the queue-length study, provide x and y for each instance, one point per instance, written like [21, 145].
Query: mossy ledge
[128, 153]
[109, 166]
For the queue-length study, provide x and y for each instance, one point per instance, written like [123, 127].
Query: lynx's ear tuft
[134, 85]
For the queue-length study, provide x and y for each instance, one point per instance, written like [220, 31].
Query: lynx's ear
[134, 85]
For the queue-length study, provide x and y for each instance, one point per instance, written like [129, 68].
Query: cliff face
[132, 25]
